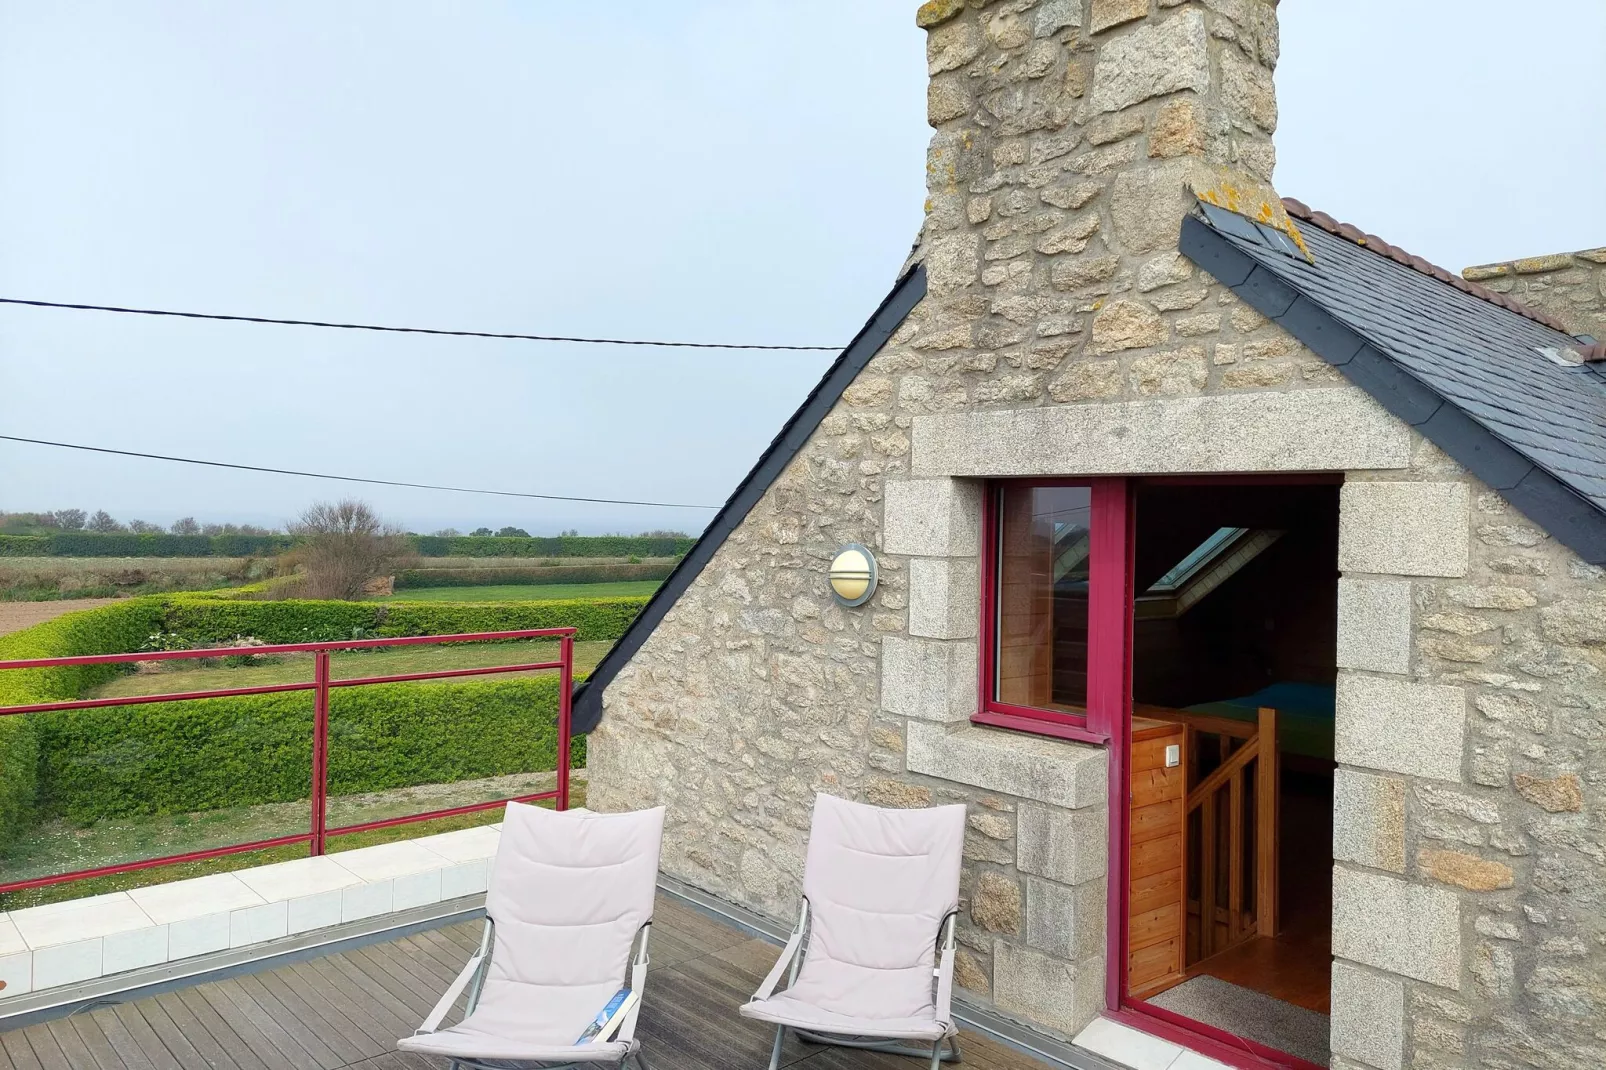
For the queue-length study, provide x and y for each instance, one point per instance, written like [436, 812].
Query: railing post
[565, 712]
[1267, 790]
[320, 750]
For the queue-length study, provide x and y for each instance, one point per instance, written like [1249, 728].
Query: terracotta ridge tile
[1351, 233]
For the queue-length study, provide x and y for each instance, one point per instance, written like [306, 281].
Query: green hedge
[127, 544]
[175, 757]
[202, 621]
[124, 626]
[531, 574]
[180, 756]
[556, 546]
[24, 546]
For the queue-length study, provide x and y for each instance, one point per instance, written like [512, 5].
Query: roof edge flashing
[1564, 514]
[906, 293]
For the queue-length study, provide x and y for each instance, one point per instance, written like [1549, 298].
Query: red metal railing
[321, 684]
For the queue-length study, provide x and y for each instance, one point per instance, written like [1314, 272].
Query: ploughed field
[24, 579]
[15, 616]
[31, 579]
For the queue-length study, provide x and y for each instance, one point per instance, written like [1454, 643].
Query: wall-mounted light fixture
[853, 575]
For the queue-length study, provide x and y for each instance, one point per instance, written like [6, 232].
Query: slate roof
[1466, 367]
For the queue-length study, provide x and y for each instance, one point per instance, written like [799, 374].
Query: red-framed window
[1054, 594]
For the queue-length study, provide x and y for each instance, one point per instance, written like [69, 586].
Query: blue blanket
[1304, 715]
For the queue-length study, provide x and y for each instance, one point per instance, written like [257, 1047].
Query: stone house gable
[1064, 332]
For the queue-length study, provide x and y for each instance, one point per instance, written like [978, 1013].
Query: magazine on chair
[609, 1016]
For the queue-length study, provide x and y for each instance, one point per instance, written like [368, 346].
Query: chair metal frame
[473, 978]
[942, 1050]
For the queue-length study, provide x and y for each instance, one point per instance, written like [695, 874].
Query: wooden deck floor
[346, 1010]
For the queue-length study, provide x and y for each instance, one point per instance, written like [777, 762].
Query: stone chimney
[1569, 286]
[1071, 138]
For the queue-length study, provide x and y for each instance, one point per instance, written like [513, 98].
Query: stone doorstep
[66, 943]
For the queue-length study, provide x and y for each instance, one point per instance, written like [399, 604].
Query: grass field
[524, 592]
[294, 668]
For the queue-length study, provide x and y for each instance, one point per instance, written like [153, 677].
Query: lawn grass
[524, 592]
[294, 668]
[60, 847]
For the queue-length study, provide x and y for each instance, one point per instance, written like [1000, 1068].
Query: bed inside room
[1233, 670]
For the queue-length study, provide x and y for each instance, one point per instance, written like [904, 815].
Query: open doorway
[1233, 666]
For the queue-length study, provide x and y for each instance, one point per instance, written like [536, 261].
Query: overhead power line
[401, 330]
[352, 479]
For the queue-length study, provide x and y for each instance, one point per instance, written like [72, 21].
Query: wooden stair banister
[1223, 772]
[1267, 790]
[1258, 746]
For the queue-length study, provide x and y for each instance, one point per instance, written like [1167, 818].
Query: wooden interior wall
[1156, 887]
[1025, 606]
[1070, 648]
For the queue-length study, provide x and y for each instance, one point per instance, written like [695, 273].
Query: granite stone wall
[1470, 908]
[1569, 286]
[1063, 334]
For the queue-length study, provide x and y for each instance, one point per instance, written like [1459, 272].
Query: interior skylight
[1197, 558]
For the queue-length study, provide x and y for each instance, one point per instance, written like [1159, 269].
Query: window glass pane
[1041, 627]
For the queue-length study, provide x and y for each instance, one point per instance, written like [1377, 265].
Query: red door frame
[1108, 720]
[1110, 674]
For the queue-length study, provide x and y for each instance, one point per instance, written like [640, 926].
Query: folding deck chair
[880, 900]
[567, 917]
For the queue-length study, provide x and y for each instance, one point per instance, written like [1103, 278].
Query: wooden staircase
[1203, 862]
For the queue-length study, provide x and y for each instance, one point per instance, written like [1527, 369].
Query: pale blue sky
[741, 171]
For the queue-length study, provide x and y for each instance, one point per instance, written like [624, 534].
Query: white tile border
[82, 939]
[1138, 1050]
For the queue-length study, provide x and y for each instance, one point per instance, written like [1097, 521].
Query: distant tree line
[101, 522]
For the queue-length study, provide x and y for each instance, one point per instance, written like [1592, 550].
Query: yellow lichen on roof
[1247, 196]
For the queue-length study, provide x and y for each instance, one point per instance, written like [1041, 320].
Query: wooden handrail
[1219, 776]
[1199, 722]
